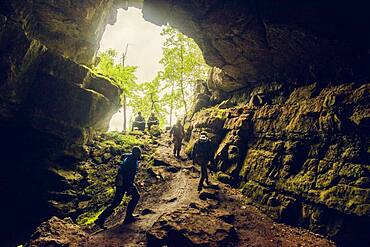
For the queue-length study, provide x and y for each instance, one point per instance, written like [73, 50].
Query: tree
[183, 64]
[123, 76]
[148, 99]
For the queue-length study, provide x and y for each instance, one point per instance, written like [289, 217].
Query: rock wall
[302, 158]
[266, 40]
[50, 105]
[290, 115]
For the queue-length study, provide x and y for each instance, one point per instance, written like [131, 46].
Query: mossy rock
[155, 131]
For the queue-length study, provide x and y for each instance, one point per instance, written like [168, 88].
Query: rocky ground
[172, 212]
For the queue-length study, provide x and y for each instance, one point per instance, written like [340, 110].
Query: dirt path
[172, 188]
[170, 193]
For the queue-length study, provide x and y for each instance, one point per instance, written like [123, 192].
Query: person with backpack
[152, 120]
[202, 154]
[139, 122]
[177, 132]
[124, 184]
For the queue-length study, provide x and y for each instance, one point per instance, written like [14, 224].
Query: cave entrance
[148, 50]
[142, 42]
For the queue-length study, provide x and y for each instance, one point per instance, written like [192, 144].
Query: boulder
[58, 232]
[191, 227]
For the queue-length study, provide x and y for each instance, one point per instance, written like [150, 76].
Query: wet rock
[58, 232]
[191, 227]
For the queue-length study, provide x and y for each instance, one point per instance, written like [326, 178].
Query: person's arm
[119, 178]
[193, 152]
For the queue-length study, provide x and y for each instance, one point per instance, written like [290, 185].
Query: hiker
[139, 122]
[152, 120]
[124, 184]
[177, 133]
[202, 154]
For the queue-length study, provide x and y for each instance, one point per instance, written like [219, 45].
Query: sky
[144, 49]
[143, 39]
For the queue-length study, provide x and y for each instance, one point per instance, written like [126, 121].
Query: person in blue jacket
[124, 184]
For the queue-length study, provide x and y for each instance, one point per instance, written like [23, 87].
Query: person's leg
[135, 196]
[175, 146]
[206, 173]
[178, 150]
[120, 191]
[202, 177]
[142, 126]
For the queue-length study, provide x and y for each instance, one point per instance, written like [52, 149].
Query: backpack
[119, 182]
[202, 151]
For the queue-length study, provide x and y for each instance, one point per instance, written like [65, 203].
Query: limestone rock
[191, 227]
[58, 232]
[266, 43]
[289, 155]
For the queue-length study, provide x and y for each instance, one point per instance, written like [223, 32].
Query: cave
[301, 68]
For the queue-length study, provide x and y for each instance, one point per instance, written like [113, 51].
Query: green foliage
[183, 64]
[155, 131]
[125, 140]
[172, 88]
[123, 77]
[148, 99]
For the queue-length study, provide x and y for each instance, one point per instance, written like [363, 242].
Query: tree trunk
[124, 113]
[171, 105]
[182, 79]
[124, 55]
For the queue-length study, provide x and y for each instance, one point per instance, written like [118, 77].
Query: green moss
[189, 146]
[66, 174]
[301, 183]
[125, 139]
[155, 131]
[89, 217]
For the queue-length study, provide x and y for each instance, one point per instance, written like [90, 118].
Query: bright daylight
[161, 67]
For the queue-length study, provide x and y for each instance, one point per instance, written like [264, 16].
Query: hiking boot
[129, 219]
[100, 224]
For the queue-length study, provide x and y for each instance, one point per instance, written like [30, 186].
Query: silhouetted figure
[177, 133]
[139, 122]
[202, 154]
[124, 184]
[152, 120]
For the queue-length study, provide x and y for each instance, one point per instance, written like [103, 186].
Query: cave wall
[302, 158]
[50, 107]
[268, 40]
[298, 69]
[289, 112]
